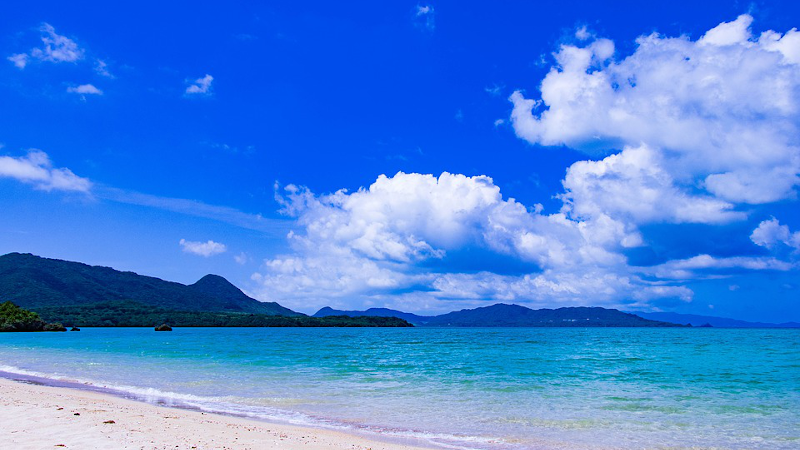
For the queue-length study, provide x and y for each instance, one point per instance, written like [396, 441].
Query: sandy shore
[45, 417]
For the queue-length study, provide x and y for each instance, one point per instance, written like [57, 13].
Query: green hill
[33, 282]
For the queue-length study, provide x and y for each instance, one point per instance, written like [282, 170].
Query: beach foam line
[219, 405]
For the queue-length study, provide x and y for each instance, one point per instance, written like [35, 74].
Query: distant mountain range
[716, 322]
[502, 315]
[34, 282]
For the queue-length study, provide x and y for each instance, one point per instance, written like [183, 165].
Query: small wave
[226, 406]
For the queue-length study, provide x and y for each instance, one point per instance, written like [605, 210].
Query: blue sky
[546, 154]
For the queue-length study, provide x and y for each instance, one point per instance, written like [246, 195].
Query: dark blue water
[479, 388]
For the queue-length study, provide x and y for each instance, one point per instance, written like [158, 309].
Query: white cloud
[582, 33]
[720, 114]
[425, 17]
[85, 89]
[205, 249]
[313, 279]
[200, 85]
[770, 233]
[56, 48]
[36, 168]
[20, 60]
[276, 227]
[697, 265]
[241, 258]
[494, 90]
[413, 217]
[729, 33]
[548, 288]
[101, 67]
[633, 185]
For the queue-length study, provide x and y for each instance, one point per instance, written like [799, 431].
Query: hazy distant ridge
[717, 322]
[502, 315]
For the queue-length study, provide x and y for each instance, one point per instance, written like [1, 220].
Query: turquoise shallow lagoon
[535, 388]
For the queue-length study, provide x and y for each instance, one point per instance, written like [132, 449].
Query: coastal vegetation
[134, 314]
[14, 318]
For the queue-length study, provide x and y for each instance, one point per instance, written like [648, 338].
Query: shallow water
[534, 388]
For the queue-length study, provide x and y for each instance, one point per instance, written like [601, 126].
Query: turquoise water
[471, 388]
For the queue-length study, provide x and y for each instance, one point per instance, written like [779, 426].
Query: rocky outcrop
[164, 327]
[54, 327]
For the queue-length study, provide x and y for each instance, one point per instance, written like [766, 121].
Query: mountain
[34, 282]
[716, 322]
[502, 315]
[375, 312]
[218, 287]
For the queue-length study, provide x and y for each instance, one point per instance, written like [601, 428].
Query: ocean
[487, 388]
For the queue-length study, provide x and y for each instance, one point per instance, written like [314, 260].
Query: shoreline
[38, 414]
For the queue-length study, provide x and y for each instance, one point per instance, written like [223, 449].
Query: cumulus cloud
[56, 49]
[200, 86]
[85, 89]
[729, 33]
[719, 115]
[413, 217]
[377, 240]
[205, 249]
[770, 232]
[634, 185]
[36, 168]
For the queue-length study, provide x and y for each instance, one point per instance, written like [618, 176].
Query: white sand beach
[44, 417]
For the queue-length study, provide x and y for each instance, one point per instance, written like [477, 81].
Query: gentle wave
[219, 405]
